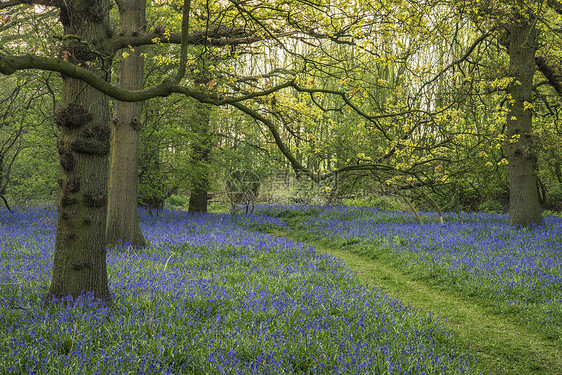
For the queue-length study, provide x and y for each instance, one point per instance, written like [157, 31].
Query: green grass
[502, 346]
[504, 340]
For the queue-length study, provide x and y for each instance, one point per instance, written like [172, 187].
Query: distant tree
[200, 156]
[11, 132]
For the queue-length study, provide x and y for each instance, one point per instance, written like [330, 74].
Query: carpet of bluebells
[211, 295]
[515, 270]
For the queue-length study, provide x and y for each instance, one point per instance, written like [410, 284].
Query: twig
[71, 348]
[166, 265]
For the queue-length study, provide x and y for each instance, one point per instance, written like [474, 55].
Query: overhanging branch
[11, 64]
[297, 167]
[219, 38]
[12, 3]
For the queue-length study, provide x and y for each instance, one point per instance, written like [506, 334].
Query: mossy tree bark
[80, 254]
[200, 158]
[122, 216]
[524, 207]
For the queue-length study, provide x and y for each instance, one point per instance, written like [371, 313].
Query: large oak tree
[84, 61]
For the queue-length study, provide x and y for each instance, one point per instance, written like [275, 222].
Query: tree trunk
[200, 158]
[79, 264]
[2, 185]
[198, 200]
[122, 216]
[524, 208]
[152, 195]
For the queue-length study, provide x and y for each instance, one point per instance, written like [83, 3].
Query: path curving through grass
[501, 346]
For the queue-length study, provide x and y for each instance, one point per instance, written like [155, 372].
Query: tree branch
[297, 167]
[550, 74]
[555, 5]
[219, 38]
[184, 38]
[465, 56]
[12, 3]
[6, 203]
[11, 64]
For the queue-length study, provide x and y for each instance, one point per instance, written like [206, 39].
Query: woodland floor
[501, 345]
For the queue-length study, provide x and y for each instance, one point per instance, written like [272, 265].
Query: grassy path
[501, 346]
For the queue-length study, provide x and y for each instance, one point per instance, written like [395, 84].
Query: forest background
[439, 105]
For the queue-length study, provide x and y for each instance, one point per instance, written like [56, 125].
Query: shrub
[178, 201]
[491, 206]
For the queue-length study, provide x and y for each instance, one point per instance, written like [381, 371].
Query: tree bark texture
[200, 156]
[524, 207]
[122, 216]
[79, 264]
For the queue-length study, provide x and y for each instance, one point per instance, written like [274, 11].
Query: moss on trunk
[80, 254]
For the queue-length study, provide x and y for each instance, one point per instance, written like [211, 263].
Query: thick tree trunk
[2, 185]
[122, 216]
[200, 158]
[79, 264]
[524, 207]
